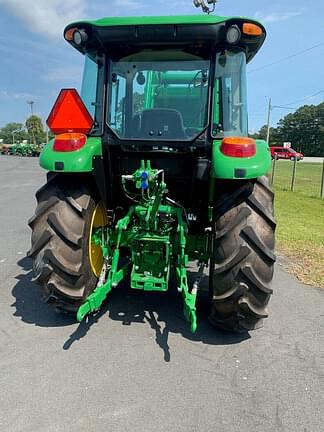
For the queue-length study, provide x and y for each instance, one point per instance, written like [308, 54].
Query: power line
[287, 58]
[305, 98]
[284, 107]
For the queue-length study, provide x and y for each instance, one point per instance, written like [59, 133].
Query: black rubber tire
[59, 241]
[243, 260]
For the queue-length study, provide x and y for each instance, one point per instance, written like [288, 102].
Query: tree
[304, 129]
[262, 134]
[13, 132]
[35, 129]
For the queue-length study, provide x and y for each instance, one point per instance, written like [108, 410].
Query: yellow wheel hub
[99, 219]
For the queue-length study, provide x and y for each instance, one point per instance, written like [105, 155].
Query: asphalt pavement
[313, 159]
[136, 366]
[307, 159]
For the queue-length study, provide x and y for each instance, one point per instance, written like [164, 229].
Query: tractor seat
[162, 123]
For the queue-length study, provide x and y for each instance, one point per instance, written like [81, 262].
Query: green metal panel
[176, 77]
[224, 167]
[75, 161]
[155, 20]
[149, 90]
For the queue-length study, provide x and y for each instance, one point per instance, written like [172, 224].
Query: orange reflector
[238, 147]
[69, 114]
[69, 34]
[69, 142]
[252, 29]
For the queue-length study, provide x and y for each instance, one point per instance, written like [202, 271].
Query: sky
[36, 62]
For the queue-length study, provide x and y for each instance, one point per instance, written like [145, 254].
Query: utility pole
[268, 122]
[31, 103]
[13, 134]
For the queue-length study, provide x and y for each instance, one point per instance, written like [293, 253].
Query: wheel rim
[98, 219]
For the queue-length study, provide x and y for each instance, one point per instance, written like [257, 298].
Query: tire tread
[59, 248]
[242, 266]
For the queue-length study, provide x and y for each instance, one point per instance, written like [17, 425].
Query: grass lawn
[308, 177]
[300, 218]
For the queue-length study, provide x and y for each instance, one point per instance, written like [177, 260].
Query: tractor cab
[166, 82]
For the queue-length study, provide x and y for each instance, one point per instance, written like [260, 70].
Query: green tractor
[24, 149]
[151, 167]
[19, 150]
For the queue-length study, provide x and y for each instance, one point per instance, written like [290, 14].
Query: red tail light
[69, 142]
[238, 147]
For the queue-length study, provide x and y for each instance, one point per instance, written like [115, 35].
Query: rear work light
[69, 142]
[238, 147]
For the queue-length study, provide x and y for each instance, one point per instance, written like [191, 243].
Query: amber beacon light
[252, 29]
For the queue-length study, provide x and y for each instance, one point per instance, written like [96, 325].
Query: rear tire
[59, 242]
[243, 255]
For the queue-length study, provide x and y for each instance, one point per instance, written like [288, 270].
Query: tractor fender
[227, 167]
[73, 161]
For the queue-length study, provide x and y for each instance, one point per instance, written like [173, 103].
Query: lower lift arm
[189, 298]
[95, 300]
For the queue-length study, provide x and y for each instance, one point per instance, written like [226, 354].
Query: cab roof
[154, 20]
[181, 28]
